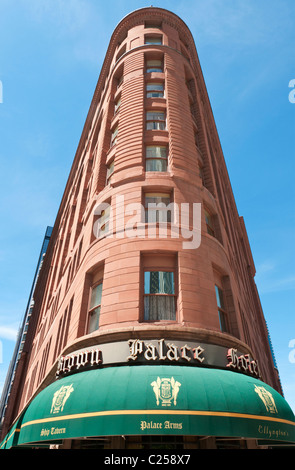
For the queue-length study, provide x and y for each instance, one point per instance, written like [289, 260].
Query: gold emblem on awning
[166, 390]
[267, 399]
[60, 397]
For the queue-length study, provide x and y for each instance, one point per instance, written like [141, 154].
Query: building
[22, 333]
[147, 328]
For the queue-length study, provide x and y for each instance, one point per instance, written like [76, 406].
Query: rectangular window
[154, 66]
[63, 329]
[121, 52]
[209, 224]
[221, 309]
[159, 296]
[110, 171]
[103, 222]
[156, 158]
[155, 120]
[156, 207]
[153, 40]
[201, 174]
[120, 81]
[94, 308]
[153, 24]
[114, 137]
[155, 90]
[117, 105]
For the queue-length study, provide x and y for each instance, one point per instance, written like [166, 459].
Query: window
[121, 52]
[156, 158]
[119, 82]
[63, 329]
[154, 66]
[155, 120]
[156, 207]
[94, 308]
[209, 224]
[103, 222]
[155, 90]
[110, 171]
[211, 220]
[117, 105]
[153, 40]
[159, 296]
[221, 309]
[153, 24]
[201, 174]
[114, 137]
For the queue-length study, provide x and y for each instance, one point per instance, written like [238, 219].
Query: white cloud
[8, 332]
[269, 285]
[265, 267]
[269, 278]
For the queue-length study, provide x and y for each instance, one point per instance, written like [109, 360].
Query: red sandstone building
[147, 327]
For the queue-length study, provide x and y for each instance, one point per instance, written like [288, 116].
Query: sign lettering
[73, 362]
[157, 351]
[162, 351]
[243, 363]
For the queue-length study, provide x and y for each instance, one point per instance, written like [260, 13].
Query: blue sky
[51, 52]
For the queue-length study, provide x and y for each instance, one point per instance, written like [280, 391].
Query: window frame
[152, 91]
[156, 123]
[149, 24]
[154, 68]
[90, 310]
[117, 105]
[222, 313]
[156, 158]
[101, 227]
[109, 175]
[114, 136]
[210, 226]
[121, 52]
[107, 219]
[174, 295]
[120, 81]
[153, 194]
[149, 37]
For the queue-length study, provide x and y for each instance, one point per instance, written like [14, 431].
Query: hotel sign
[163, 351]
[157, 351]
[209, 354]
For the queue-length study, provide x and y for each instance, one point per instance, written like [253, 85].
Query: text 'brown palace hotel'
[147, 327]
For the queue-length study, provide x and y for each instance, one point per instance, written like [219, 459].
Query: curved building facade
[147, 327]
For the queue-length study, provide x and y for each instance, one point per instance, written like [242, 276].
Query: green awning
[11, 438]
[141, 400]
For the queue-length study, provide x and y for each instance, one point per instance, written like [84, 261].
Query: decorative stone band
[155, 351]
